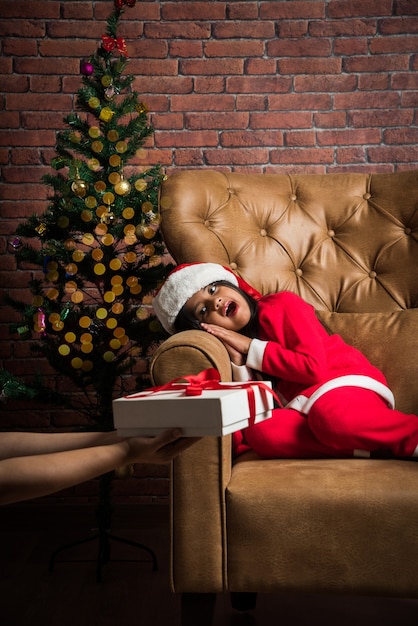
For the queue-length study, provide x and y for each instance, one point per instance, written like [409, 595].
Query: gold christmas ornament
[79, 187]
[123, 187]
[106, 114]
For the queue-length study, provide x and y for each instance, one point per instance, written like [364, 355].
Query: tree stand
[103, 534]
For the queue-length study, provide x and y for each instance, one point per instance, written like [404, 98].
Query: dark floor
[131, 592]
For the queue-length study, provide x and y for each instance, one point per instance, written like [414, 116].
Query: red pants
[340, 422]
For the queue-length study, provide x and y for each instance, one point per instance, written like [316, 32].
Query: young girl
[336, 403]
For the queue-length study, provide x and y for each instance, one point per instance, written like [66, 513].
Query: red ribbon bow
[109, 43]
[207, 380]
[119, 3]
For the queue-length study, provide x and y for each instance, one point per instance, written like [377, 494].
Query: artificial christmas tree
[97, 255]
[97, 245]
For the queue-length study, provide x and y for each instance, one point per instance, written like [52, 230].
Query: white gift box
[215, 412]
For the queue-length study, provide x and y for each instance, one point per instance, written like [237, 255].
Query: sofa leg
[197, 609]
[241, 601]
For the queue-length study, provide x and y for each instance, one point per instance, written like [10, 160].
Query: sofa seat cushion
[323, 525]
[390, 342]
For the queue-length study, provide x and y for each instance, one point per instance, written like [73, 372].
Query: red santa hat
[186, 280]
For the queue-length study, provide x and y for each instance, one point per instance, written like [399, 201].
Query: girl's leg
[287, 435]
[360, 419]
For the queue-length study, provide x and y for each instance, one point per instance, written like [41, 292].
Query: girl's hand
[236, 344]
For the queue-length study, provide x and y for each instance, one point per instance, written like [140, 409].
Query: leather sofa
[348, 244]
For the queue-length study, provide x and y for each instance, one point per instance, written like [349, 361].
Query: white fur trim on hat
[183, 282]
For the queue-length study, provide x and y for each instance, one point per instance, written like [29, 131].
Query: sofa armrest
[199, 475]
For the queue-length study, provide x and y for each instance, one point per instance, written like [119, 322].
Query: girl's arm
[292, 340]
[45, 473]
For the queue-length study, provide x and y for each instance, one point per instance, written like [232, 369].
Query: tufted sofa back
[343, 242]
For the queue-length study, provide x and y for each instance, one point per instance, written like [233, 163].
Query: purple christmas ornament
[86, 68]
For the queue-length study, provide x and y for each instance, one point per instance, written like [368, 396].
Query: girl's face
[220, 305]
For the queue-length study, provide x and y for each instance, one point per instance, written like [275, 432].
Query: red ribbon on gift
[109, 43]
[208, 380]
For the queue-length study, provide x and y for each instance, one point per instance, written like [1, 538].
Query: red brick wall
[310, 86]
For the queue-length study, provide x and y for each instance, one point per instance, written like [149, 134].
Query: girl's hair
[186, 321]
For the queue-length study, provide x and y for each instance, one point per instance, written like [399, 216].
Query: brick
[217, 121]
[167, 121]
[45, 84]
[42, 120]
[65, 29]
[38, 102]
[300, 138]
[341, 28]
[47, 66]
[27, 138]
[252, 103]
[400, 135]
[186, 49]
[281, 120]
[193, 10]
[25, 156]
[299, 47]
[4, 156]
[77, 10]
[211, 66]
[146, 49]
[237, 30]
[166, 85]
[348, 137]
[309, 66]
[302, 155]
[154, 67]
[258, 84]
[242, 10]
[383, 63]
[188, 158]
[373, 82]
[27, 191]
[342, 8]
[333, 119]
[23, 9]
[406, 7]
[22, 174]
[333, 83]
[202, 103]
[260, 66]
[209, 84]
[14, 84]
[405, 81]
[351, 46]
[382, 45]
[398, 25]
[20, 47]
[241, 156]
[295, 169]
[6, 65]
[147, 11]
[290, 10]
[299, 102]
[378, 117]
[366, 100]
[251, 138]
[190, 30]
[56, 48]
[22, 28]
[392, 154]
[241, 48]
[9, 119]
[186, 139]
[292, 28]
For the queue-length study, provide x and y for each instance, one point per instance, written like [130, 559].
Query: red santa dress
[337, 404]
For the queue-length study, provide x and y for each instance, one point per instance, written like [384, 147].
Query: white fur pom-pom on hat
[181, 284]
